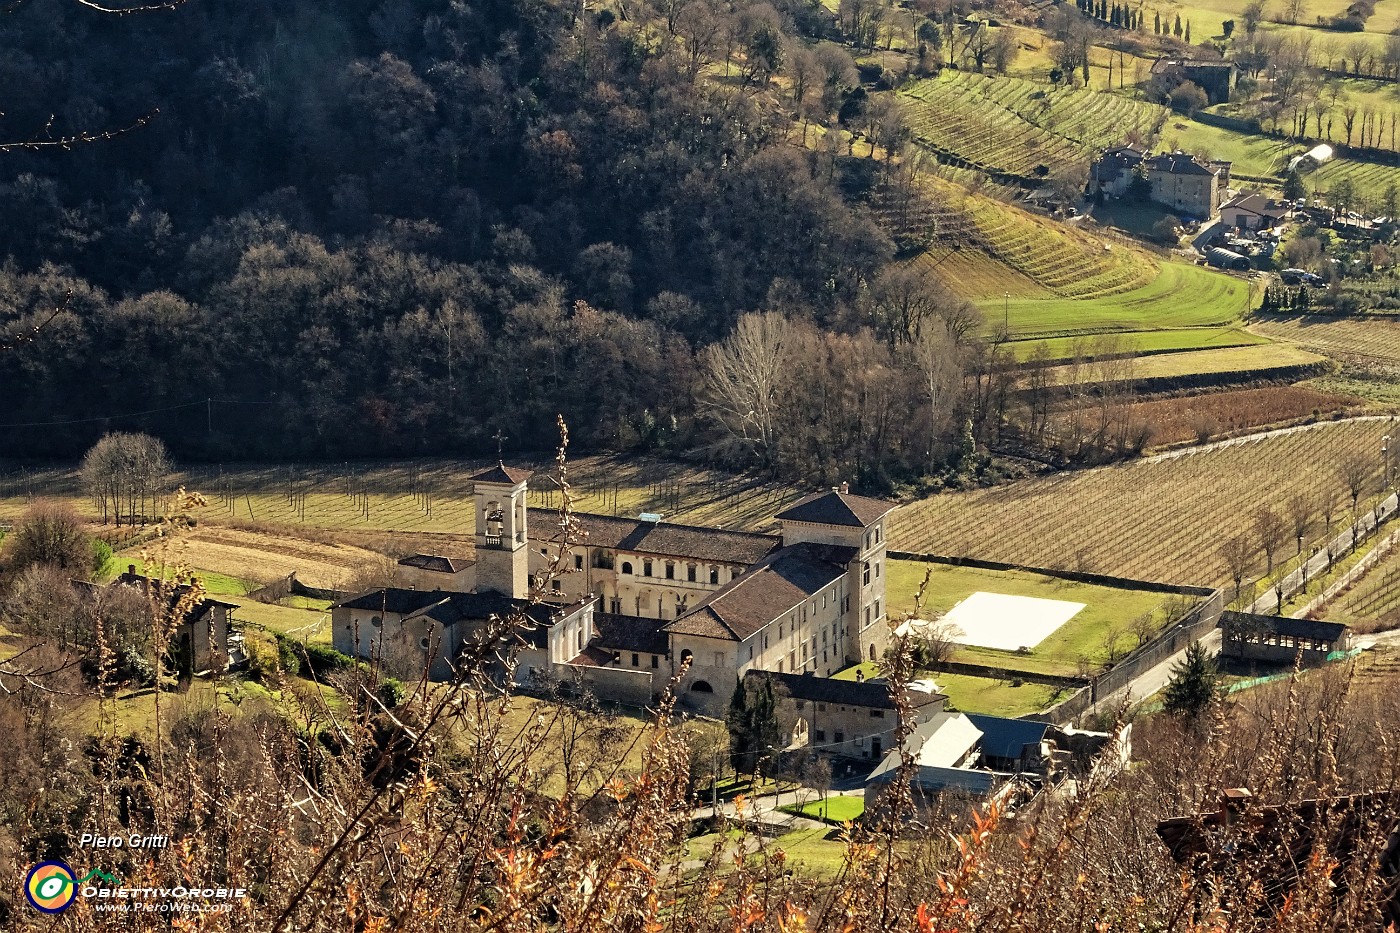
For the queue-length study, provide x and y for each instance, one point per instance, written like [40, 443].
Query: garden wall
[1191, 627]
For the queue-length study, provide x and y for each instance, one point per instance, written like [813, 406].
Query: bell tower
[502, 540]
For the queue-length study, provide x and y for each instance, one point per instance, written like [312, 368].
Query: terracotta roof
[502, 475]
[775, 586]
[630, 633]
[815, 689]
[837, 508]
[592, 656]
[436, 563]
[661, 538]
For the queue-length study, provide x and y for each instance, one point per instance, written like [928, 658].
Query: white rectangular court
[994, 620]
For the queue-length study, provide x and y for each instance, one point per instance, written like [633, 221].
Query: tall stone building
[624, 605]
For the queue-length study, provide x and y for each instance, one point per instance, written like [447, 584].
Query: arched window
[627, 566]
[701, 686]
[646, 568]
[872, 652]
[686, 655]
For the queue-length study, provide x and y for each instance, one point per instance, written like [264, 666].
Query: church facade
[624, 605]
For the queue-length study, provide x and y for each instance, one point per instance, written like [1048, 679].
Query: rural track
[1155, 678]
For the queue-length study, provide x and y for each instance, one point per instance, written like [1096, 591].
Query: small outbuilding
[1223, 258]
[1248, 636]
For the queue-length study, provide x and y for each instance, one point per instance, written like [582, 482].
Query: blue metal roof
[1007, 738]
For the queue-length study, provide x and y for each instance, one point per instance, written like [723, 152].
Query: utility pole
[209, 413]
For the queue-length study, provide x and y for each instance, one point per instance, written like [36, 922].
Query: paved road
[1155, 678]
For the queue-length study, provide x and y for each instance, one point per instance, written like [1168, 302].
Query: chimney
[1232, 802]
[131, 569]
[845, 488]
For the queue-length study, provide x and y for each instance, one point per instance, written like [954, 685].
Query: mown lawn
[1152, 341]
[838, 808]
[1180, 296]
[977, 694]
[1106, 610]
[215, 583]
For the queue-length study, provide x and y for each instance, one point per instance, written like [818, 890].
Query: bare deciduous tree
[744, 380]
[125, 471]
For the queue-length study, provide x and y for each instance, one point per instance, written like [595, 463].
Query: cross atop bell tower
[502, 539]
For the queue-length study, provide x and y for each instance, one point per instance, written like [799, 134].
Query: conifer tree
[1157, 22]
[1188, 32]
[1193, 683]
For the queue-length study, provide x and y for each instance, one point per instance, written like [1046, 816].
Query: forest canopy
[391, 228]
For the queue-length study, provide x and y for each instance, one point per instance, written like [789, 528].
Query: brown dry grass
[1181, 419]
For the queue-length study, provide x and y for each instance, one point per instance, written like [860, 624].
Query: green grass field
[1107, 612]
[1180, 296]
[1261, 157]
[215, 583]
[1152, 341]
[838, 808]
[977, 694]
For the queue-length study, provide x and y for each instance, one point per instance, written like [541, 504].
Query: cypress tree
[1188, 31]
[1157, 22]
[738, 721]
[1176, 28]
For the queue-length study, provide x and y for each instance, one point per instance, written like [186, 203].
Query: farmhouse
[624, 605]
[846, 718]
[1248, 636]
[1216, 78]
[1186, 184]
[1250, 210]
[201, 638]
[991, 757]
[1176, 180]
[1114, 170]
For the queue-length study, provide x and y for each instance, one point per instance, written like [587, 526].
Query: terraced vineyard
[1011, 126]
[1163, 518]
[1045, 258]
[1169, 295]
[1365, 339]
[1370, 179]
[1244, 362]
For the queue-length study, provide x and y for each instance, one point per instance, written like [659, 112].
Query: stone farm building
[1178, 181]
[622, 604]
[200, 641]
[1216, 78]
